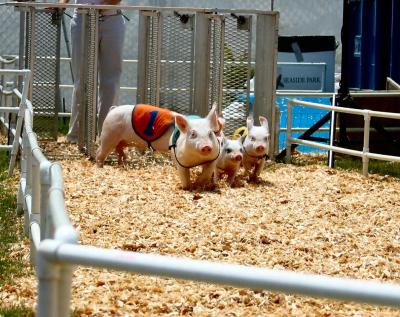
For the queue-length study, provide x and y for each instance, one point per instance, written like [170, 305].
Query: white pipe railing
[41, 199]
[391, 84]
[25, 74]
[364, 154]
[223, 273]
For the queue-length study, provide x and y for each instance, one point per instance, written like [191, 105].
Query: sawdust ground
[301, 218]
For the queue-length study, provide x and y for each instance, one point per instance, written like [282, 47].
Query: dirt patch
[309, 219]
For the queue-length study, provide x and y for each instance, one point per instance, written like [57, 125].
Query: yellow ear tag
[240, 133]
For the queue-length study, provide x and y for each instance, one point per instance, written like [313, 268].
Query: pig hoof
[254, 179]
[100, 165]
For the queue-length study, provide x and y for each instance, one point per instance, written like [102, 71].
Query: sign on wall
[301, 76]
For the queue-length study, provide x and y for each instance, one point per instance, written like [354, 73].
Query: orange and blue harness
[150, 122]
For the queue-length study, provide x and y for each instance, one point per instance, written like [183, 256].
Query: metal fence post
[277, 128]
[265, 76]
[365, 159]
[201, 64]
[80, 94]
[289, 132]
[91, 83]
[87, 93]
[142, 68]
[149, 57]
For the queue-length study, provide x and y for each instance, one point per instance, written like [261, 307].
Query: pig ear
[250, 123]
[213, 111]
[182, 123]
[221, 124]
[264, 122]
[212, 117]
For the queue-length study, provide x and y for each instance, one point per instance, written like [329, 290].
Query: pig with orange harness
[138, 125]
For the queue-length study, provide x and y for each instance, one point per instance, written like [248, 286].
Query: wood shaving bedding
[306, 219]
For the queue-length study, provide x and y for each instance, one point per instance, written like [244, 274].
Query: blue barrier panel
[373, 37]
[303, 117]
[355, 38]
[394, 71]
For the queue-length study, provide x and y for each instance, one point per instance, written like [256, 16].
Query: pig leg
[206, 175]
[257, 170]
[248, 168]
[231, 177]
[119, 149]
[218, 175]
[184, 175]
[106, 146]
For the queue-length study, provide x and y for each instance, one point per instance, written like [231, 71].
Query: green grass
[10, 225]
[350, 163]
[374, 166]
[11, 231]
[16, 312]
[63, 124]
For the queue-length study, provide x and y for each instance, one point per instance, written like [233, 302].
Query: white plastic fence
[367, 114]
[8, 108]
[55, 252]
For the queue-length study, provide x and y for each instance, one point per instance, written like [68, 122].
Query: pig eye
[252, 138]
[241, 150]
[228, 150]
[193, 134]
[210, 134]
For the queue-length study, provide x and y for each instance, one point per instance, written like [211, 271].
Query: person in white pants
[111, 33]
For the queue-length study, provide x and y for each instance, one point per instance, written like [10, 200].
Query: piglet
[256, 146]
[138, 125]
[230, 159]
[194, 144]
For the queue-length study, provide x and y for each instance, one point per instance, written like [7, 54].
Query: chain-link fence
[304, 17]
[43, 58]
[203, 52]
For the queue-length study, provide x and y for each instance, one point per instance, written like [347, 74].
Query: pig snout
[238, 157]
[206, 149]
[260, 148]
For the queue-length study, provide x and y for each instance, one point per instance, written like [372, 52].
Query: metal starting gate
[42, 57]
[188, 58]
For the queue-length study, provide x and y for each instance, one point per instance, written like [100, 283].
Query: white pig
[135, 125]
[195, 144]
[230, 159]
[256, 146]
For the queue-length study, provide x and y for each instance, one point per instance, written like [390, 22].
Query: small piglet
[256, 146]
[195, 143]
[230, 159]
[138, 125]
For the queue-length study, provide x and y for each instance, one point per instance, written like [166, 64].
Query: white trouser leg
[111, 41]
[76, 27]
